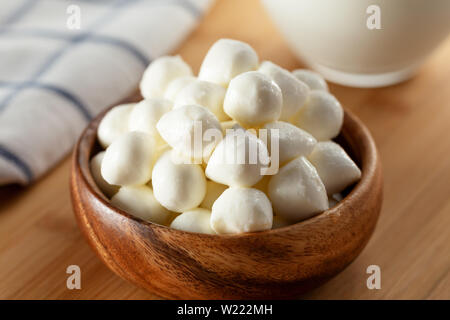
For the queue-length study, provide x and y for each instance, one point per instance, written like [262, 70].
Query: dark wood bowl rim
[368, 165]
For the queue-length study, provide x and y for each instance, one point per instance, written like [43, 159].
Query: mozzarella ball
[95, 167]
[195, 220]
[213, 191]
[226, 59]
[146, 114]
[292, 141]
[129, 159]
[238, 160]
[176, 85]
[178, 187]
[312, 79]
[140, 202]
[322, 116]
[241, 210]
[160, 73]
[336, 169]
[279, 222]
[114, 124]
[203, 93]
[191, 130]
[252, 99]
[294, 92]
[297, 192]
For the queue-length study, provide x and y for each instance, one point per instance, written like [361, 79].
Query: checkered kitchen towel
[54, 79]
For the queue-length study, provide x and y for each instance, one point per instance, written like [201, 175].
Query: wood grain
[411, 244]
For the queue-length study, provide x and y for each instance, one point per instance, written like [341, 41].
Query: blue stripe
[26, 6]
[55, 89]
[54, 57]
[190, 7]
[186, 4]
[68, 96]
[22, 10]
[143, 59]
[80, 38]
[115, 10]
[19, 163]
[35, 32]
[9, 97]
[49, 34]
[87, 36]
[8, 84]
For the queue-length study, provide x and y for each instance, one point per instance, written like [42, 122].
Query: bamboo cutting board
[410, 122]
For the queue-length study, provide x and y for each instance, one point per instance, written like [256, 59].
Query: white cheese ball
[129, 159]
[292, 141]
[226, 59]
[213, 191]
[146, 114]
[175, 86]
[322, 116]
[238, 160]
[336, 169]
[195, 220]
[297, 192]
[253, 99]
[295, 92]
[205, 94]
[160, 73]
[114, 124]
[191, 130]
[95, 167]
[140, 202]
[240, 210]
[312, 79]
[178, 187]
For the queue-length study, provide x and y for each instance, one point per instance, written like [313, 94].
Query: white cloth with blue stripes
[54, 79]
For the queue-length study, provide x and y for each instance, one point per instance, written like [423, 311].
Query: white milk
[332, 36]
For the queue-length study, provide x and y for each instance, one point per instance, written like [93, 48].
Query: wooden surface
[410, 123]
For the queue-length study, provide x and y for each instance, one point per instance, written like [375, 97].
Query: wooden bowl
[279, 263]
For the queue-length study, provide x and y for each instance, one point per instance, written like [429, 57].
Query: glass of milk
[362, 43]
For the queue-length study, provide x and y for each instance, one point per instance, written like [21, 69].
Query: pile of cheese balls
[140, 173]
